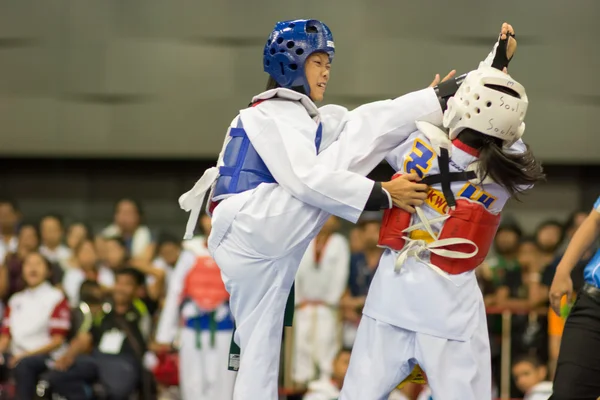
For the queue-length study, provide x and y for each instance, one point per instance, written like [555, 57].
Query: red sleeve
[60, 320]
[5, 328]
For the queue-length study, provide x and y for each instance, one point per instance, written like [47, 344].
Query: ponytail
[515, 172]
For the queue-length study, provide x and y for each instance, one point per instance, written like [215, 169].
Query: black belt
[591, 291]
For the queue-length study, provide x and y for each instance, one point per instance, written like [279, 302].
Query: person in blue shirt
[578, 365]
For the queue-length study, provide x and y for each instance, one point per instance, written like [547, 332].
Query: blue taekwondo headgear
[288, 47]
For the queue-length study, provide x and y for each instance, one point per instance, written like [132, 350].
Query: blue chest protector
[243, 168]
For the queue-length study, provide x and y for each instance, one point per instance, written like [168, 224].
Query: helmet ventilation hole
[293, 67]
[489, 104]
[476, 96]
[290, 44]
[466, 102]
[477, 111]
[292, 25]
[299, 52]
[282, 70]
[269, 42]
[272, 51]
[468, 116]
[279, 40]
[282, 50]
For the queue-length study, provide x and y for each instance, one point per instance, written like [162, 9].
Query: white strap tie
[192, 200]
[413, 248]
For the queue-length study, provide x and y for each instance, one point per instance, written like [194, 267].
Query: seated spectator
[362, 270]
[530, 376]
[115, 259]
[84, 267]
[11, 279]
[9, 221]
[506, 246]
[128, 225]
[549, 237]
[117, 342]
[52, 234]
[77, 232]
[158, 275]
[327, 389]
[35, 326]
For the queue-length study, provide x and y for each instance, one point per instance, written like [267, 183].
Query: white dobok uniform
[418, 314]
[319, 287]
[203, 373]
[259, 235]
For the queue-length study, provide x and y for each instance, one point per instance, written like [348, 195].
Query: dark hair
[168, 238]
[87, 292]
[529, 359]
[549, 222]
[88, 228]
[136, 203]
[511, 227]
[56, 217]
[272, 84]
[118, 239]
[515, 172]
[33, 225]
[77, 248]
[343, 350]
[11, 202]
[134, 273]
[554, 223]
[44, 259]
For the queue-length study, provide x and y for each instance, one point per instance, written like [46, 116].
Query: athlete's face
[316, 68]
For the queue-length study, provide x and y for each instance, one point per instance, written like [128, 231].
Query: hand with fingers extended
[437, 80]
[406, 193]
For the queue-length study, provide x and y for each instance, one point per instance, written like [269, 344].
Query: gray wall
[162, 78]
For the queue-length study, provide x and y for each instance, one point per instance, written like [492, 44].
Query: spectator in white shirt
[115, 258]
[9, 221]
[84, 267]
[127, 224]
[52, 234]
[530, 376]
[35, 326]
[77, 232]
[169, 252]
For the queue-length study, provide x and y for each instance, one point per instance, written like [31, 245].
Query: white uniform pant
[383, 355]
[203, 372]
[259, 289]
[316, 342]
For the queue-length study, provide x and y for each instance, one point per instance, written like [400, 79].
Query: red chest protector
[204, 286]
[466, 220]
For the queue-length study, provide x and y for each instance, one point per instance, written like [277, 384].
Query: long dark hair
[515, 172]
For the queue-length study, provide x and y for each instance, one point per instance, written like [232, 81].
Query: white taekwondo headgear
[480, 104]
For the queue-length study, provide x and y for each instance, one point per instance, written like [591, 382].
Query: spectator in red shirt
[35, 326]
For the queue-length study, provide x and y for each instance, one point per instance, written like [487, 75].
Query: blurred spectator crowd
[79, 308]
